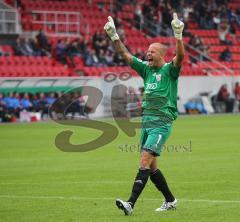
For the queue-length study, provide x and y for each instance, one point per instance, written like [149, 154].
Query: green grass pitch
[38, 182]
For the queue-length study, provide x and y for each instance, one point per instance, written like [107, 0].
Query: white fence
[9, 22]
[59, 22]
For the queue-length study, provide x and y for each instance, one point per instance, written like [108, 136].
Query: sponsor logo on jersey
[151, 85]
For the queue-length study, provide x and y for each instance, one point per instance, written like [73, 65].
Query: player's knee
[146, 160]
[144, 164]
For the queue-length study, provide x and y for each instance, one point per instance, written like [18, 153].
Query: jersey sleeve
[174, 71]
[139, 66]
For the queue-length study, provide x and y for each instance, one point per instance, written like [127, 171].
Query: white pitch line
[110, 199]
[200, 200]
[101, 182]
[212, 201]
[62, 183]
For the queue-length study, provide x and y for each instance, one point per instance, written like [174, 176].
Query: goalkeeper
[159, 110]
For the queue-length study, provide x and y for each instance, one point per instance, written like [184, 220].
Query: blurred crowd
[61, 106]
[37, 46]
[72, 105]
[152, 17]
[207, 14]
[224, 101]
[13, 103]
[99, 51]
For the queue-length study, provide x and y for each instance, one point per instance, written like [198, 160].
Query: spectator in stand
[187, 10]
[216, 19]
[167, 12]
[19, 48]
[145, 8]
[237, 91]
[119, 27]
[109, 58]
[238, 16]
[224, 96]
[1, 99]
[139, 54]
[70, 51]
[82, 46]
[36, 48]
[209, 24]
[237, 94]
[2, 107]
[102, 59]
[196, 42]
[97, 41]
[205, 50]
[118, 60]
[138, 16]
[133, 100]
[206, 13]
[50, 98]
[25, 102]
[223, 31]
[34, 99]
[12, 103]
[28, 47]
[5, 116]
[76, 106]
[74, 50]
[60, 52]
[110, 46]
[200, 13]
[226, 55]
[43, 41]
[91, 58]
[42, 105]
[7, 100]
[155, 28]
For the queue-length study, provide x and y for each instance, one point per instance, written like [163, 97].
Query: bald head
[160, 48]
[154, 54]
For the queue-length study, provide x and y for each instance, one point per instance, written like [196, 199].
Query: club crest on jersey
[158, 77]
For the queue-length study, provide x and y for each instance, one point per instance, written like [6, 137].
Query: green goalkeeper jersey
[160, 89]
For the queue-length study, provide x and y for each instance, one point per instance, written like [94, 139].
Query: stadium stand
[23, 66]
[80, 18]
[60, 39]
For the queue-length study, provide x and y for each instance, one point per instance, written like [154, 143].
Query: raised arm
[119, 46]
[177, 27]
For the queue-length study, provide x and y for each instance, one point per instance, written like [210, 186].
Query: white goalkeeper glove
[110, 29]
[177, 26]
